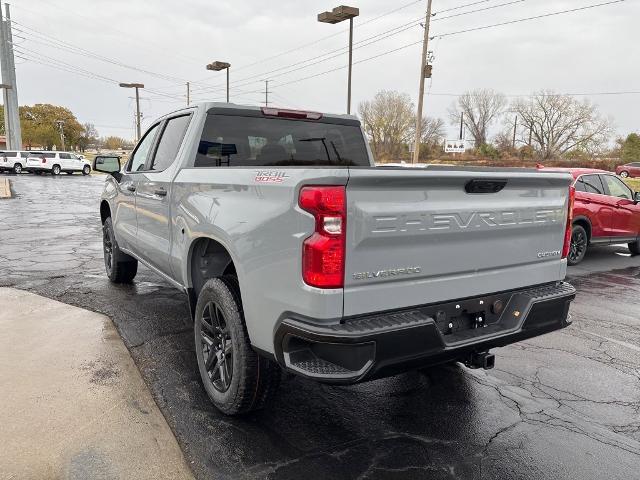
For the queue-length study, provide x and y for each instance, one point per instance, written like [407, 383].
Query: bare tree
[480, 108]
[558, 124]
[433, 132]
[389, 121]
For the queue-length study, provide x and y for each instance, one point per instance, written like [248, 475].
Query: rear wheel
[17, 168]
[634, 247]
[235, 377]
[579, 243]
[86, 170]
[55, 170]
[120, 267]
[624, 174]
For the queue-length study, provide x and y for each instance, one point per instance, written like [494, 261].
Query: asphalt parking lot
[565, 405]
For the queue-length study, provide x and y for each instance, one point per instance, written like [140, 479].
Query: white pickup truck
[296, 253]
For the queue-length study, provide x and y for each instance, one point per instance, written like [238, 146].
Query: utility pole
[10, 94]
[137, 86]
[60, 124]
[515, 127]
[461, 124]
[423, 73]
[188, 94]
[266, 93]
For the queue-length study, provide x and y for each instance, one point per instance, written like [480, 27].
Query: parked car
[606, 211]
[629, 170]
[296, 252]
[56, 163]
[13, 161]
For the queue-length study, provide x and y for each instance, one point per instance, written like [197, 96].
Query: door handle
[161, 192]
[131, 188]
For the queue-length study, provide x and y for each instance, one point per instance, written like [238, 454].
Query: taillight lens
[44, 160]
[323, 252]
[567, 233]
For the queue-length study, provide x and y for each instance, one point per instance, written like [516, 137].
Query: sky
[74, 52]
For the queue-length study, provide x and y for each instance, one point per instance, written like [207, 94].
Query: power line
[359, 44]
[456, 33]
[536, 17]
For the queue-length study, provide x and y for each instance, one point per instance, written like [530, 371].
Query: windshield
[236, 141]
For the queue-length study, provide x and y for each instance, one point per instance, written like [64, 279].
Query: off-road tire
[120, 267]
[254, 379]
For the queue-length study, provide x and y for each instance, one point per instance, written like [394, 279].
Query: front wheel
[86, 170]
[235, 377]
[120, 267]
[579, 243]
[55, 170]
[624, 174]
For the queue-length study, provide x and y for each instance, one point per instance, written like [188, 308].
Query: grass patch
[634, 183]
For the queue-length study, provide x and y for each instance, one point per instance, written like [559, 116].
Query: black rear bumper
[373, 346]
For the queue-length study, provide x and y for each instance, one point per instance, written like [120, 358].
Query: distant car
[56, 163]
[13, 161]
[605, 212]
[629, 170]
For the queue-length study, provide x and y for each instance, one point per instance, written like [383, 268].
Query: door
[65, 162]
[593, 203]
[125, 223]
[153, 196]
[626, 214]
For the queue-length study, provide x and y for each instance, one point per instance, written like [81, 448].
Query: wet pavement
[565, 405]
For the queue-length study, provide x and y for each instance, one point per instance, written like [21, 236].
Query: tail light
[567, 233]
[44, 160]
[323, 252]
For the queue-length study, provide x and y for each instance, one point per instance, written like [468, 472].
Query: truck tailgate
[416, 237]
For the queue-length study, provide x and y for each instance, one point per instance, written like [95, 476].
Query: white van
[56, 163]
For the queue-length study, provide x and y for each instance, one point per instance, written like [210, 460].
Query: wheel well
[208, 259]
[105, 211]
[584, 223]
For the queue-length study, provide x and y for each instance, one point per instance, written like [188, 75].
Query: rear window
[236, 141]
[48, 155]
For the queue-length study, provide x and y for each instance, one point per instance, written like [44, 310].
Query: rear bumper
[382, 344]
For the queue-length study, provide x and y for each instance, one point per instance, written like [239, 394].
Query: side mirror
[109, 165]
[636, 198]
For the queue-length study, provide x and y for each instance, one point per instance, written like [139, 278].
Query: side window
[65, 156]
[11, 154]
[617, 187]
[139, 157]
[170, 142]
[592, 184]
[579, 185]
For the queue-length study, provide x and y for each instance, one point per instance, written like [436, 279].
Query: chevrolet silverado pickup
[296, 253]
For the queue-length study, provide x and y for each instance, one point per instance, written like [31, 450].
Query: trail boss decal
[270, 176]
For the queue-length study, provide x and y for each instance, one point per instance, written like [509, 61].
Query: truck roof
[257, 109]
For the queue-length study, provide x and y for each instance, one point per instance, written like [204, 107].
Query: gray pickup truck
[296, 253]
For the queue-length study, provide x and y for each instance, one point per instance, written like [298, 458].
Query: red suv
[629, 170]
[606, 211]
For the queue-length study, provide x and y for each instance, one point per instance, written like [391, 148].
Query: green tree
[630, 148]
[40, 126]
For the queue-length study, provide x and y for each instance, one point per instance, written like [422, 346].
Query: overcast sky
[588, 51]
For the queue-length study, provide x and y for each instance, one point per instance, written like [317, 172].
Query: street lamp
[216, 67]
[136, 86]
[337, 15]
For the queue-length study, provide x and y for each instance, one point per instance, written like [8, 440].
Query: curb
[5, 188]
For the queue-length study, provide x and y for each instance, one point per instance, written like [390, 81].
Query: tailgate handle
[485, 185]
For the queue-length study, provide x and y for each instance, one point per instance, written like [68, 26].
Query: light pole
[216, 67]
[337, 15]
[136, 86]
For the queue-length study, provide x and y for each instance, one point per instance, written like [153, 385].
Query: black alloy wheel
[217, 347]
[579, 243]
